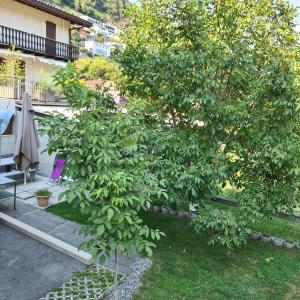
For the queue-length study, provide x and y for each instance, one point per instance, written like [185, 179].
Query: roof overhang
[55, 11]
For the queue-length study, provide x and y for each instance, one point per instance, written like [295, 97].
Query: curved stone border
[168, 211]
[276, 241]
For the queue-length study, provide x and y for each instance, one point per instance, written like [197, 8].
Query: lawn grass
[67, 211]
[185, 267]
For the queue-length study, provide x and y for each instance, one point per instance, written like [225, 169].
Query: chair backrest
[58, 169]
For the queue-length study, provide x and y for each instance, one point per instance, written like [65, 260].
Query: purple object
[58, 169]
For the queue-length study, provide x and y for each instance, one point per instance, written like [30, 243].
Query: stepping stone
[25, 195]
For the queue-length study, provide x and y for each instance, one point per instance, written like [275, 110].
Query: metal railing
[12, 87]
[37, 45]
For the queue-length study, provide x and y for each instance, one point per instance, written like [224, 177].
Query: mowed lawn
[185, 267]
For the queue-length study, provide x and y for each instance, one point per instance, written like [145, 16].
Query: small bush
[97, 68]
[43, 193]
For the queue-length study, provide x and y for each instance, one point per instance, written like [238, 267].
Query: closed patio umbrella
[26, 155]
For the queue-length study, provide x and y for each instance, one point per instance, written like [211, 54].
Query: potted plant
[255, 235]
[182, 214]
[289, 244]
[42, 197]
[173, 209]
[164, 209]
[277, 241]
[155, 207]
[192, 215]
[266, 238]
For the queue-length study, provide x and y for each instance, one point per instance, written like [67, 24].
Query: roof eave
[53, 10]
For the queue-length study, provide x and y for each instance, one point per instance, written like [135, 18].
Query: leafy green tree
[97, 68]
[107, 166]
[218, 83]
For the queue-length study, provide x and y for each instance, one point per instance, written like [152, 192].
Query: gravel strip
[132, 281]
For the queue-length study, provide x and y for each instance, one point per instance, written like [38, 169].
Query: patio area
[30, 269]
[29, 213]
[25, 192]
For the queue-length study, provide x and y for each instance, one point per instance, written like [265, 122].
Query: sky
[297, 3]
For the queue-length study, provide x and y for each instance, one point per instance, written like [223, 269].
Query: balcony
[12, 87]
[37, 45]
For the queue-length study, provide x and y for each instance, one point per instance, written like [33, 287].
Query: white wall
[35, 69]
[8, 142]
[46, 160]
[98, 48]
[26, 18]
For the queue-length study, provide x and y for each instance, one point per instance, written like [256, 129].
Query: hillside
[109, 10]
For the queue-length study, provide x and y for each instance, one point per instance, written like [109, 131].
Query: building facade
[41, 35]
[96, 48]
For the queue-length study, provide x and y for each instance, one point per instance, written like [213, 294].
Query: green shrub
[97, 68]
[43, 193]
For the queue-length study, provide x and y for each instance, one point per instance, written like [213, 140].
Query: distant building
[94, 46]
[97, 48]
[100, 26]
[296, 3]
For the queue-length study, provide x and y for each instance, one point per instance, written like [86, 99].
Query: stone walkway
[26, 192]
[29, 269]
[56, 227]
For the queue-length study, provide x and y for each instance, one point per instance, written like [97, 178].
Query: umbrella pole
[25, 179]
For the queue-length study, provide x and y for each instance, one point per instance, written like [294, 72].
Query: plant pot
[192, 215]
[164, 209]
[181, 214]
[289, 244]
[42, 201]
[277, 241]
[173, 212]
[266, 238]
[255, 235]
[155, 208]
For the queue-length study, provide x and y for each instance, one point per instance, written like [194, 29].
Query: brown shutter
[50, 45]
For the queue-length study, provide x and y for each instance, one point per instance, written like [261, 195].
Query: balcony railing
[31, 43]
[12, 87]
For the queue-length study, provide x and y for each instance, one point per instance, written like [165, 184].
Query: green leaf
[100, 230]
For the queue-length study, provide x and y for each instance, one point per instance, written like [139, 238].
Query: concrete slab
[24, 195]
[6, 207]
[57, 227]
[29, 269]
[66, 232]
[41, 220]
[46, 239]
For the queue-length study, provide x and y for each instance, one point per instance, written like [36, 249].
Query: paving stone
[65, 232]
[42, 220]
[7, 207]
[29, 269]
[51, 224]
